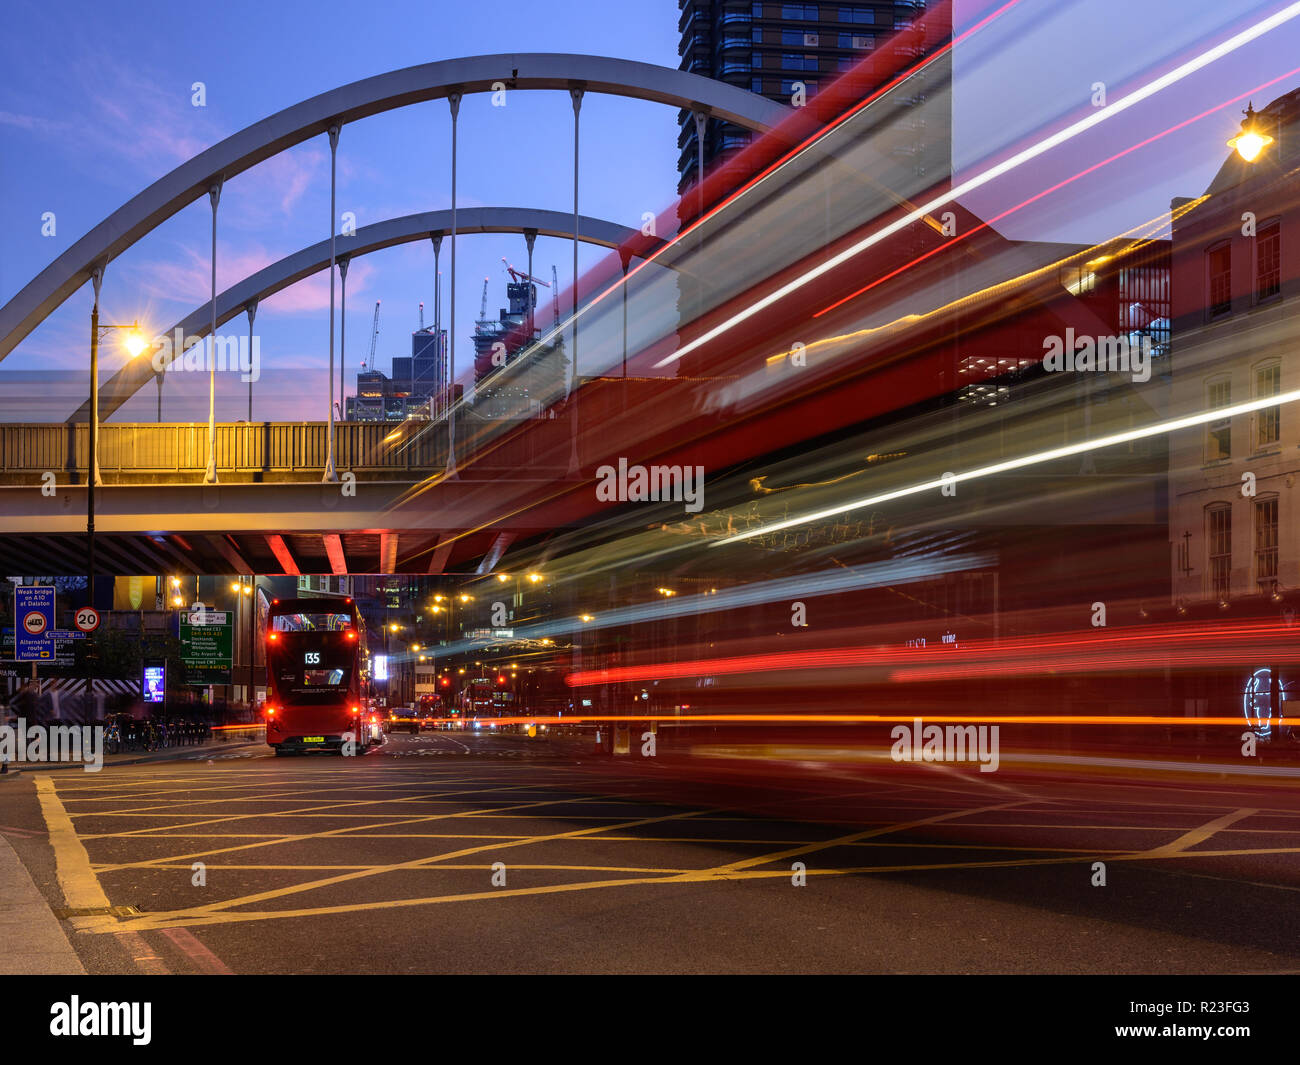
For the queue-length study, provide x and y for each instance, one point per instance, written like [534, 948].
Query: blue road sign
[33, 622]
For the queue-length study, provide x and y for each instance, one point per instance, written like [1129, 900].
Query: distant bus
[318, 677]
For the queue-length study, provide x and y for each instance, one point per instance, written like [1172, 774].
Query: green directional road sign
[207, 640]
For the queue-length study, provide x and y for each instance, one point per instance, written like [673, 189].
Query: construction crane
[374, 336]
[422, 316]
[518, 275]
[555, 295]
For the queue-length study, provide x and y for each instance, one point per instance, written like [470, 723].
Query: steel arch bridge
[329, 110]
[375, 237]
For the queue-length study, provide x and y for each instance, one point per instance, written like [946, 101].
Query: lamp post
[244, 591]
[134, 343]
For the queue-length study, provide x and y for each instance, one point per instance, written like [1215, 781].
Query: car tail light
[356, 710]
[352, 634]
[272, 637]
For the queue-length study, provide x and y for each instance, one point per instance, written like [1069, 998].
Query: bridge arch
[375, 237]
[349, 103]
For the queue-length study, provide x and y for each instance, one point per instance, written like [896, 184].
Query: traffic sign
[65, 634]
[87, 619]
[34, 611]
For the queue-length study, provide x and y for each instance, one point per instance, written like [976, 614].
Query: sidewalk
[34, 943]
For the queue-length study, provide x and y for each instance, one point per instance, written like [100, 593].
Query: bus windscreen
[311, 622]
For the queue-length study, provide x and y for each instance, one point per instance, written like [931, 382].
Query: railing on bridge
[271, 451]
[168, 453]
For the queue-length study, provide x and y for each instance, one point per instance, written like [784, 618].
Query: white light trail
[1006, 166]
[1157, 429]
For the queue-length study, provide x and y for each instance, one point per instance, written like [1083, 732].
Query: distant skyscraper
[503, 387]
[766, 48]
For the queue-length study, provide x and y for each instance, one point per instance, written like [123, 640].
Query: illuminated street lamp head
[533, 578]
[587, 617]
[394, 627]
[1251, 141]
[503, 577]
[134, 342]
[465, 598]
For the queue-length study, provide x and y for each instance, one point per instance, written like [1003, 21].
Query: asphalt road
[457, 852]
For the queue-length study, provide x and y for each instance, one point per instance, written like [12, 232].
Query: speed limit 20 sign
[87, 619]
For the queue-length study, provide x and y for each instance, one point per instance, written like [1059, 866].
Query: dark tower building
[768, 47]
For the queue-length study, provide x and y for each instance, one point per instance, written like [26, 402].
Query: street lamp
[242, 591]
[1251, 141]
[134, 343]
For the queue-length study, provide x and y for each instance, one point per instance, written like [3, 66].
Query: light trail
[1014, 162]
[1157, 429]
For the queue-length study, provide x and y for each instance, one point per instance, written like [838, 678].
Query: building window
[1266, 544]
[1219, 270]
[799, 62]
[1218, 546]
[1268, 421]
[756, 60]
[1268, 261]
[807, 12]
[861, 42]
[756, 85]
[758, 35]
[1218, 433]
[857, 14]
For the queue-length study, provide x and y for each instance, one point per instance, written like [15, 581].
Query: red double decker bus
[318, 677]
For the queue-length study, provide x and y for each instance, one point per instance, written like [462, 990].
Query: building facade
[1233, 504]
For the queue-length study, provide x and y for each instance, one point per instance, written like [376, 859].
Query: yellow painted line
[853, 837]
[312, 811]
[198, 918]
[1199, 835]
[416, 863]
[335, 832]
[80, 887]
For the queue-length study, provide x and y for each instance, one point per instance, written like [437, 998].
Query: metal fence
[175, 450]
[169, 452]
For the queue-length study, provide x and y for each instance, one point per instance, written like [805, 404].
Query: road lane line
[723, 871]
[81, 888]
[377, 870]
[1199, 835]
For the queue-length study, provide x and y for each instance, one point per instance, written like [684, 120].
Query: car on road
[404, 719]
